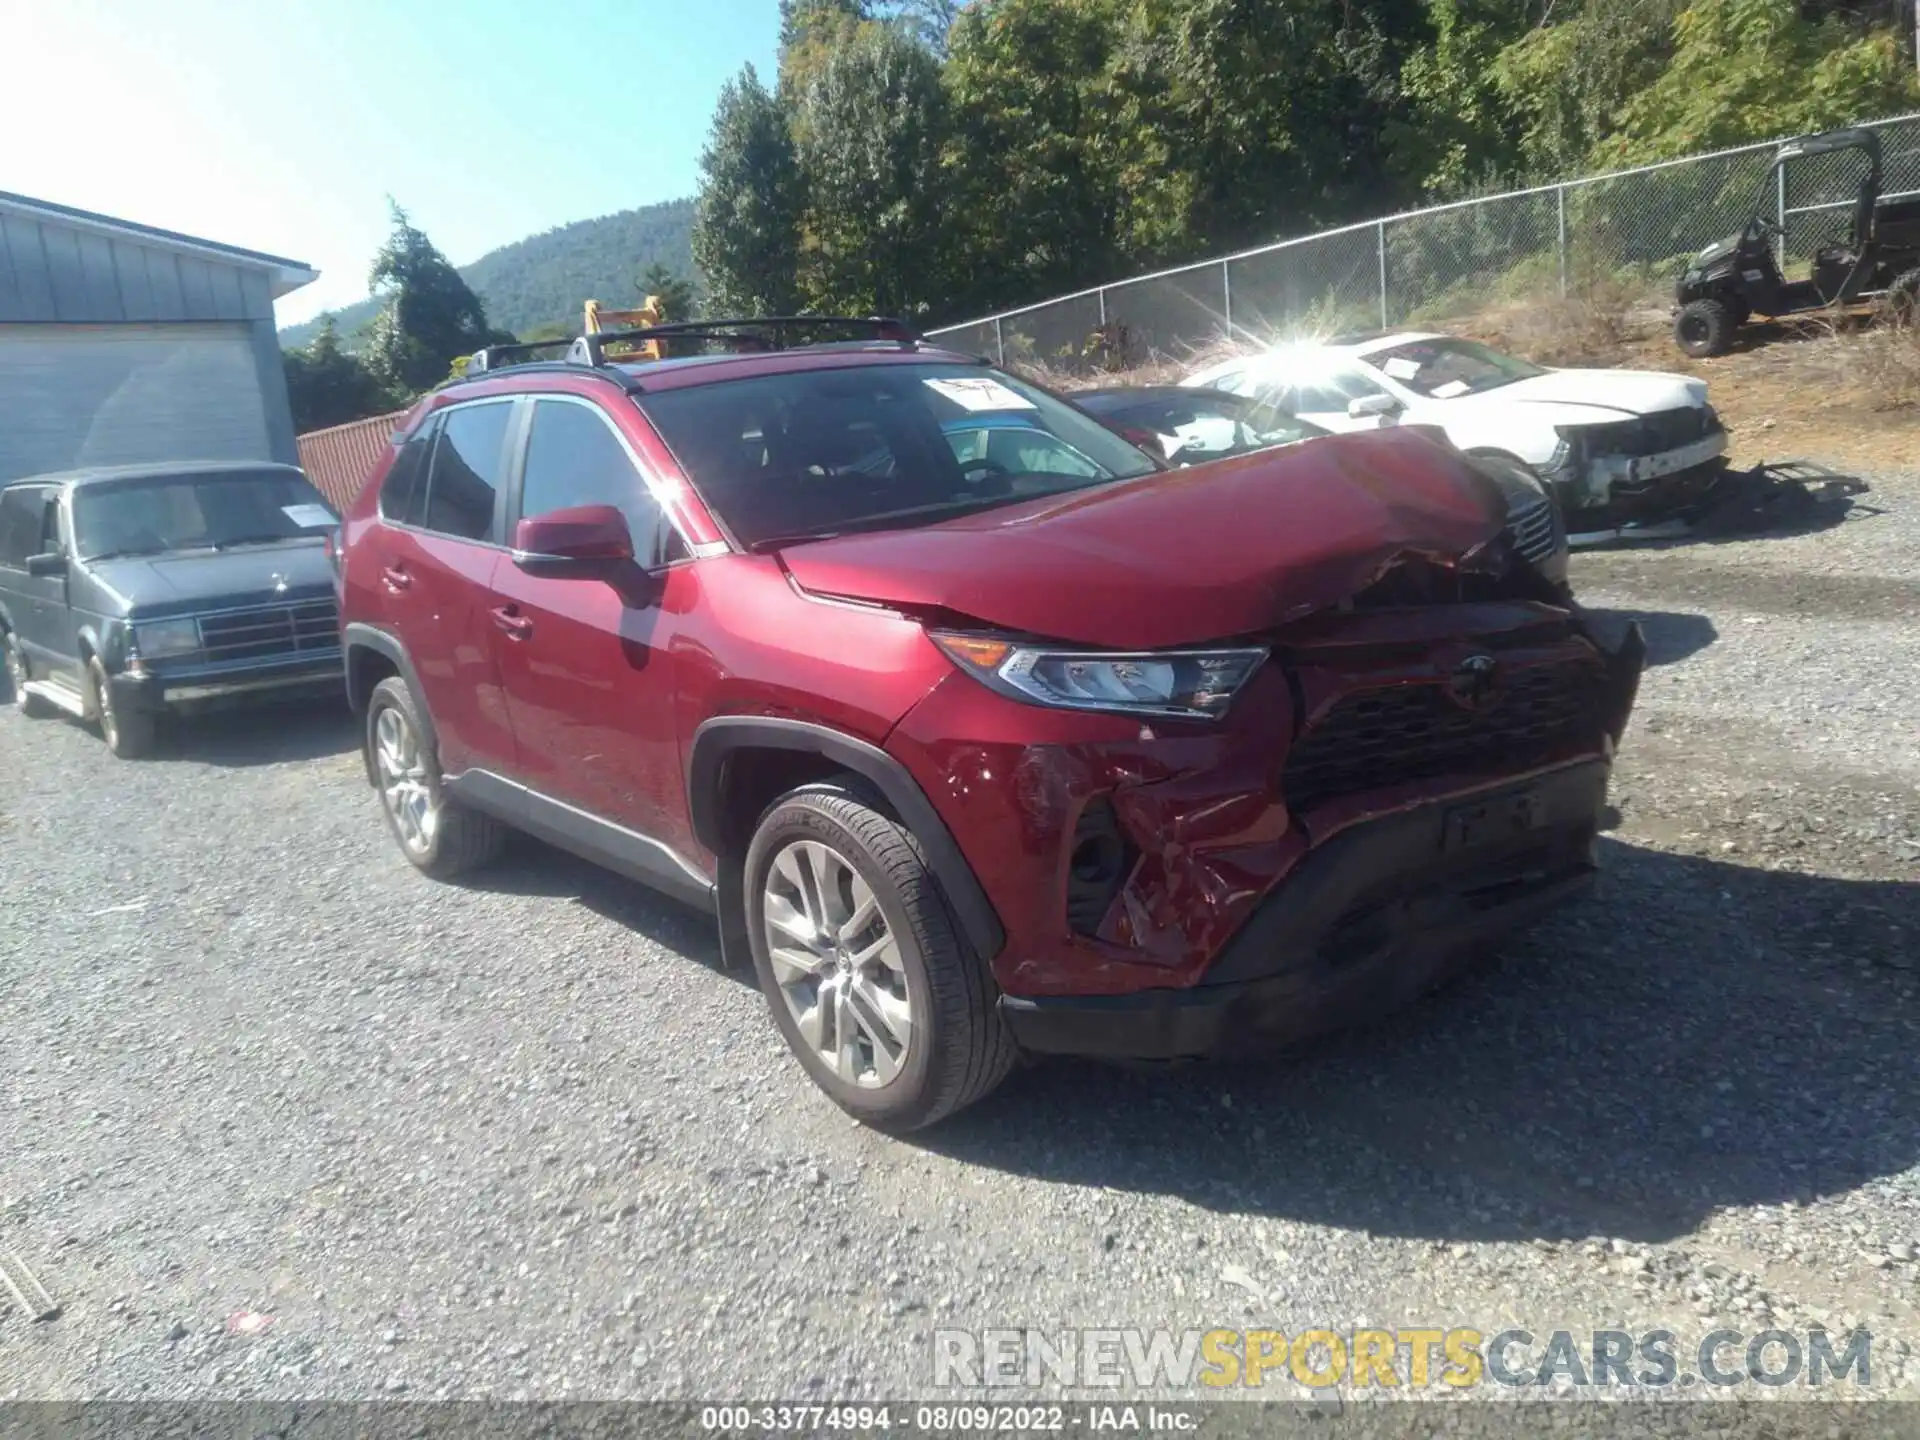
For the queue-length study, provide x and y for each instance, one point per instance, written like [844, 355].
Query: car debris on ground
[1785, 495]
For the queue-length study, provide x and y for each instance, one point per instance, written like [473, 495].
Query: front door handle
[509, 619]
[396, 578]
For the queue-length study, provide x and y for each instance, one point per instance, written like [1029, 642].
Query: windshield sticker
[980, 394]
[309, 516]
[1450, 389]
[1401, 368]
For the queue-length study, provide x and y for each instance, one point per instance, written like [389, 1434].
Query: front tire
[31, 706]
[438, 835]
[1704, 328]
[871, 983]
[130, 734]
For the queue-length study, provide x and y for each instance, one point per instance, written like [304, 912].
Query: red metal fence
[339, 460]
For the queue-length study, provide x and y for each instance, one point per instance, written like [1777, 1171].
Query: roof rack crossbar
[588, 349]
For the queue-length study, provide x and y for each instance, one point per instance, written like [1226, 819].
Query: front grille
[1653, 434]
[1534, 530]
[270, 632]
[1397, 735]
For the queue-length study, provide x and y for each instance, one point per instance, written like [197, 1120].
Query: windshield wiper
[774, 542]
[127, 554]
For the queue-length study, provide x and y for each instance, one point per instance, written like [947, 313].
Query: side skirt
[626, 852]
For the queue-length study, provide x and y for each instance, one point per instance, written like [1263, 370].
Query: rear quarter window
[403, 499]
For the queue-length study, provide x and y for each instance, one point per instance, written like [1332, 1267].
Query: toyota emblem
[1475, 682]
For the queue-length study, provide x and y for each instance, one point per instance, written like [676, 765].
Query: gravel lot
[523, 1137]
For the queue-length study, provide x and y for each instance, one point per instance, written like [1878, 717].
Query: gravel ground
[523, 1137]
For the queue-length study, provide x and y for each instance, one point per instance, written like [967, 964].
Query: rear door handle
[396, 578]
[509, 619]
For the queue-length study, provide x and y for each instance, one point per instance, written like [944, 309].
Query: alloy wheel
[404, 789]
[16, 670]
[838, 964]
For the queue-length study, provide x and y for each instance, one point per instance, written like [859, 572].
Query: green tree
[1453, 129]
[746, 229]
[327, 386]
[679, 297]
[869, 128]
[428, 317]
[1746, 69]
[1033, 153]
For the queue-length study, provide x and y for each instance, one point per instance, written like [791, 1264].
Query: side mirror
[1142, 440]
[1370, 405]
[51, 563]
[590, 541]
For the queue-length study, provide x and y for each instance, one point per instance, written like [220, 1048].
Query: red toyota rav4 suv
[977, 729]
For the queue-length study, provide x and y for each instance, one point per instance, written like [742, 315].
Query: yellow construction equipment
[600, 321]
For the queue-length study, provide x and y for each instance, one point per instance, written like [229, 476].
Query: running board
[67, 699]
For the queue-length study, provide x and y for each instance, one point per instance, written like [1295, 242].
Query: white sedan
[1617, 446]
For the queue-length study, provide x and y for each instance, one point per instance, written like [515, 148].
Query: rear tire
[1901, 307]
[131, 734]
[1704, 328]
[438, 835]
[31, 706]
[874, 987]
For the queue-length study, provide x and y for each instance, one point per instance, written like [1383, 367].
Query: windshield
[1197, 425]
[196, 512]
[1446, 369]
[810, 453]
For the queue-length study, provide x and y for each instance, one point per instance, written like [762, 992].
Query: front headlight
[1195, 684]
[158, 639]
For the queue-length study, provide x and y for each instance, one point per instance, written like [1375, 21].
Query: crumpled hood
[1218, 550]
[1620, 392]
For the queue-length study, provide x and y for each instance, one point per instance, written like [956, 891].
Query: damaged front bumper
[1601, 488]
[1368, 921]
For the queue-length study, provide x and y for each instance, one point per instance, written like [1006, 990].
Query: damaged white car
[1619, 448]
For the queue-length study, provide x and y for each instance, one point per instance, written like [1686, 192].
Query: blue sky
[284, 125]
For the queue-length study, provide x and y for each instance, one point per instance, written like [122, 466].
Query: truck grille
[1535, 530]
[1374, 739]
[270, 632]
[1653, 434]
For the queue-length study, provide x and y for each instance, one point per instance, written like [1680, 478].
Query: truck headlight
[157, 639]
[1193, 684]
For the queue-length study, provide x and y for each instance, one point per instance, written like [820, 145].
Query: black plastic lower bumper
[1368, 922]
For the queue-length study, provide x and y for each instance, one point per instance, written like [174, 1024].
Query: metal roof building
[122, 343]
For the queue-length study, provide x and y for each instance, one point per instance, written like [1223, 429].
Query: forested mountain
[546, 278]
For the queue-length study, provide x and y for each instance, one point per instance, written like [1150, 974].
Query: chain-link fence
[1627, 234]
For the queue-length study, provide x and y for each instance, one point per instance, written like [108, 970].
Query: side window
[575, 458]
[50, 541]
[20, 520]
[403, 499]
[464, 477]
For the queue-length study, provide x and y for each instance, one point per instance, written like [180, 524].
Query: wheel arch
[721, 741]
[371, 656]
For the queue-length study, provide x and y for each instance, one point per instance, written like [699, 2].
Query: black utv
[1739, 277]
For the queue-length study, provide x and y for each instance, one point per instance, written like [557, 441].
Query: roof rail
[489, 357]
